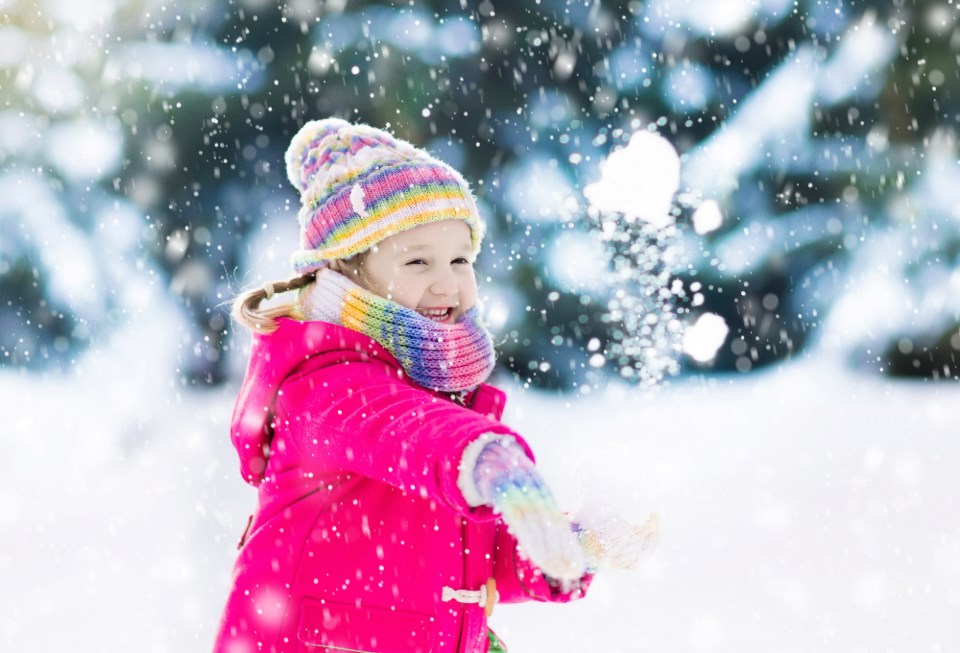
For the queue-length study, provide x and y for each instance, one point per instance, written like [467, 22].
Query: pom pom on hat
[321, 144]
[359, 185]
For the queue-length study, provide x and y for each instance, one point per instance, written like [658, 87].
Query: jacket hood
[273, 357]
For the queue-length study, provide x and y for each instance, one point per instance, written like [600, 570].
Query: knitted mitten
[497, 472]
[617, 544]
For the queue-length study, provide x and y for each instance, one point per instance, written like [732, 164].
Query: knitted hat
[359, 185]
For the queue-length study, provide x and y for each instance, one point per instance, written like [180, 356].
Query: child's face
[428, 269]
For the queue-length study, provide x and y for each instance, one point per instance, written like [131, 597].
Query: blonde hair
[246, 308]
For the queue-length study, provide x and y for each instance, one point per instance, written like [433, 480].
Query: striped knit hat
[359, 185]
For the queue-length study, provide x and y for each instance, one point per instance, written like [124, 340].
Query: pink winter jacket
[360, 524]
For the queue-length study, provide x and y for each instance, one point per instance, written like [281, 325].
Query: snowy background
[775, 182]
[802, 509]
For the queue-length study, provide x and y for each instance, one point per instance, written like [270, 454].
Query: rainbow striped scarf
[445, 357]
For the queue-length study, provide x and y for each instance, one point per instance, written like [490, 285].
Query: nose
[444, 283]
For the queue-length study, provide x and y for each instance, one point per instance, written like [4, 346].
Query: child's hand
[617, 544]
[506, 479]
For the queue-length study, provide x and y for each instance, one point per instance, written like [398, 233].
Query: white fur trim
[468, 487]
[356, 200]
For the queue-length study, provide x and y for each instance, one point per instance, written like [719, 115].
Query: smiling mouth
[436, 314]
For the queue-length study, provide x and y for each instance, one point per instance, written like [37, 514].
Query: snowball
[638, 180]
[707, 217]
[702, 340]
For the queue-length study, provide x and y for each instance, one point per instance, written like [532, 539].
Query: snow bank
[801, 509]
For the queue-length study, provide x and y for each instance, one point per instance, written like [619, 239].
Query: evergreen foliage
[526, 98]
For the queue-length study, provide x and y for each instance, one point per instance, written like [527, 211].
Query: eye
[416, 261]
[462, 260]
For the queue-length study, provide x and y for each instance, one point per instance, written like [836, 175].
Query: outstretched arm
[362, 417]
[496, 471]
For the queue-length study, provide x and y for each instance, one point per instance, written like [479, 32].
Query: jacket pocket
[330, 627]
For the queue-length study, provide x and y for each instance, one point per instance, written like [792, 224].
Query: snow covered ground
[802, 509]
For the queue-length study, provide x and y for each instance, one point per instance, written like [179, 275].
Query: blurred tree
[808, 124]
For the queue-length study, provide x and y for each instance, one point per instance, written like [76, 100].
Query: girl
[394, 508]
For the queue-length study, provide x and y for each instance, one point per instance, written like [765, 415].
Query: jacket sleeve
[518, 579]
[361, 416]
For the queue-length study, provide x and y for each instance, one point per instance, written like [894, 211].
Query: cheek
[406, 292]
[391, 280]
[468, 291]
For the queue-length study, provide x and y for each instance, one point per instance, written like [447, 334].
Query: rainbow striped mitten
[505, 478]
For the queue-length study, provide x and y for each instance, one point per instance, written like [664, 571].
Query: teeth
[436, 314]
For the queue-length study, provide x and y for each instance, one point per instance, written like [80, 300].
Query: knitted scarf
[446, 357]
